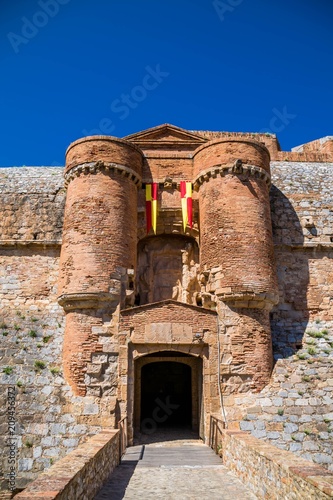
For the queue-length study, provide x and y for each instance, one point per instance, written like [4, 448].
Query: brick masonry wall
[56, 420]
[245, 240]
[205, 321]
[227, 151]
[100, 232]
[103, 148]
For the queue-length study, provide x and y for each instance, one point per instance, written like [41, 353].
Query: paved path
[180, 469]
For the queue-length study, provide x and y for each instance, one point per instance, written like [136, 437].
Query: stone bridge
[173, 466]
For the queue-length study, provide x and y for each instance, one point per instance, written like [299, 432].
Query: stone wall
[81, 473]
[302, 218]
[32, 204]
[271, 473]
[295, 411]
[51, 421]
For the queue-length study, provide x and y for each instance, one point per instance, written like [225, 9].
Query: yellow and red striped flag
[151, 206]
[186, 196]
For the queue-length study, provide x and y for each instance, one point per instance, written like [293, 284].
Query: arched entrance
[166, 395]
[168, 392]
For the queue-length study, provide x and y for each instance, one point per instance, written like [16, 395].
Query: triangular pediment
[169, 304]
[165, 134]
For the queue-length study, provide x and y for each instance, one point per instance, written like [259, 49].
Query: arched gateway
[186, 302]
[170, 376]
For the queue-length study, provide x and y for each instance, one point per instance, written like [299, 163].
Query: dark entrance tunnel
[166, 396]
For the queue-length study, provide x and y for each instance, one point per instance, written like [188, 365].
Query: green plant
[306, 378]
[311, 342]
[39, 365]
[32, 333]
[17, 327]
[19, 383]
[5, 334]
[326, 420]
[28, 444]
[318, 335]
[310, 361]
[324, 332]
[312, 351]
[300, 393]
[317, 321]
[307, 432]
[293, 438]
[39, 346]
[8, 370]
[54, 370]
[20, 315]
[51, 461]
[46, 339]
[34, 320]
[301, 356]
[3, 326]
[280, 411]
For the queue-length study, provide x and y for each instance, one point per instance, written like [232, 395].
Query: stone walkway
[172, 470]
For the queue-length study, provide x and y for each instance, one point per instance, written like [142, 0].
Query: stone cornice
[239, 169]
[70, 301]
[248, 300]
[100, 166]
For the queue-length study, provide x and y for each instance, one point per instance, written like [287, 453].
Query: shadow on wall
[289, 318]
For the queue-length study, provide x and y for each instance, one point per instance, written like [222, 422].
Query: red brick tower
[99, 241]
[236, 254]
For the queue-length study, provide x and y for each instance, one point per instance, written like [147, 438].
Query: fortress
[100, 320]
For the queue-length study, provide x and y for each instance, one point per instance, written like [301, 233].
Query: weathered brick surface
[197, 319]
[234, 280]
[100, 232]
[227, 151]
[103, 149]
[236, 235]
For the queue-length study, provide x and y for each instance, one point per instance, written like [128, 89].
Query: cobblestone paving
[180, 469]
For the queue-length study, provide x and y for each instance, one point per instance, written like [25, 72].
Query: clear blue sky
[116, 67]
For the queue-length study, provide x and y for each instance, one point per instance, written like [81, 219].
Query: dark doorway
[166, 396]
